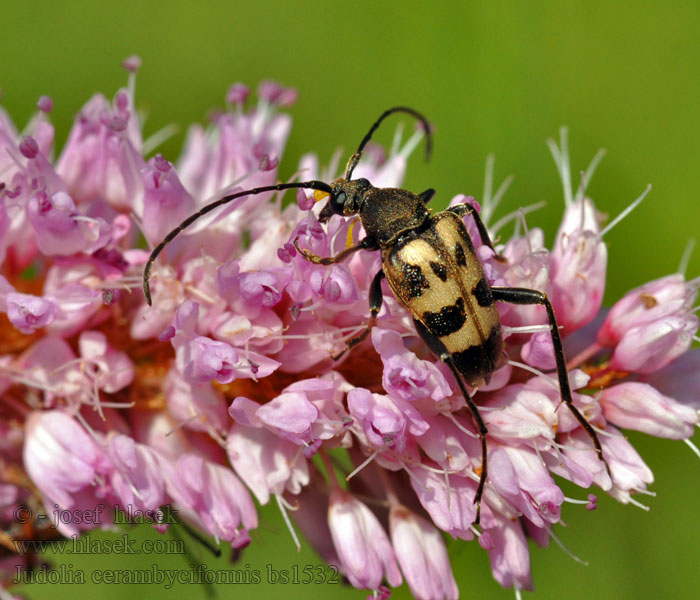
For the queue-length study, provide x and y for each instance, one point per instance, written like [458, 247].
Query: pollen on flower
[244, 352]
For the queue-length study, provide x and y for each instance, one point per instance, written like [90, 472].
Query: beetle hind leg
[481, 427]
[527, 296]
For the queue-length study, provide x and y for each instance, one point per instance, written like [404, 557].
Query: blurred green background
[493, 77]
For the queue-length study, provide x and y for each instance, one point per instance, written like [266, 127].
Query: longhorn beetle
[432, 269]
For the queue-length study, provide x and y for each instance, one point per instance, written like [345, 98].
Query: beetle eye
[338, 203]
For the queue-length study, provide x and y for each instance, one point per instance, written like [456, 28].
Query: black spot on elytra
[482, 293]
[447, 321]
[478, 362]
[460, 256]
[439, 270]
[414, 282]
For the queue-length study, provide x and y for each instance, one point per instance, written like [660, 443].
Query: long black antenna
[313, 185]
[355, 158]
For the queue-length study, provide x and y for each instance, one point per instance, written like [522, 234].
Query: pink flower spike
[45, 104]
[650, 347]
[29, 313]
[303, 201]
[137, 478]
[592, 502]
[237, 94]
[28, 147]
[202, 359]
[114, 369]
[291, 414]
[60, 229]
[578, 266]
[364, 550]
[510, 561]
[267, 463]
[132, 63]
[639, 406]
[421, 552]
[63, 461]
[166, 203]
[653, 301]
[214, 496]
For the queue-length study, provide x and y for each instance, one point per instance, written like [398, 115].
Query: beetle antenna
[313, 185]
[355, 158]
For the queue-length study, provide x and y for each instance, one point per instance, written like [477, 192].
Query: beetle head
[346, 198]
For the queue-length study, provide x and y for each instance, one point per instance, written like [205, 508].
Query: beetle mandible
[430, 265]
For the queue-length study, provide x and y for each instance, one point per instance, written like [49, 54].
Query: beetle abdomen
[440, 280]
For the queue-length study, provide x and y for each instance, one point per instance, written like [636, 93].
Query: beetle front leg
[366, 244]
[376, 298]
[467, 209]
[526, 296]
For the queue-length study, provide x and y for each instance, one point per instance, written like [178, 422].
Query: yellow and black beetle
[432, 269]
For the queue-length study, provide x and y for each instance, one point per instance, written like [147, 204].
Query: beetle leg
[366, 244]
[376, 299]
[467, 209]
[526, 296]
[427, 195]
[481, 426]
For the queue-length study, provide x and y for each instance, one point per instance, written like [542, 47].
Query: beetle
[431, 266]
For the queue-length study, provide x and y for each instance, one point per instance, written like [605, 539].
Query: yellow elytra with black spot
[437, 276]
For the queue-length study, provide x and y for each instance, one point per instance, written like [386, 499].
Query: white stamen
[592, 167]
[200, 294]
[645, 492]
[534, 371]
[314, 306]
[118, 404]
[449, 490]
[625, 212]
[160, 136]
[539, 455]
[411, 474]
[137, 222]
[90, 430]
[575, 501]
[507, 329]
[182, 424]
[30, 382]
[607, 433]
[368, 460]
[96, 399]
[332, 171]
[693, 447]
[283, 506]
[518, 595]
[517, 213]
[486, 207]
[461, 427]
[568, 552]
[638, 504]
[396, 141]
[561, 159]
[437, 471]
[84, 219]
[501, 191]
[526, 230]
[411, 144]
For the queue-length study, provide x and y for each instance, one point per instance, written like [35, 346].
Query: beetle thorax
[388, 213]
